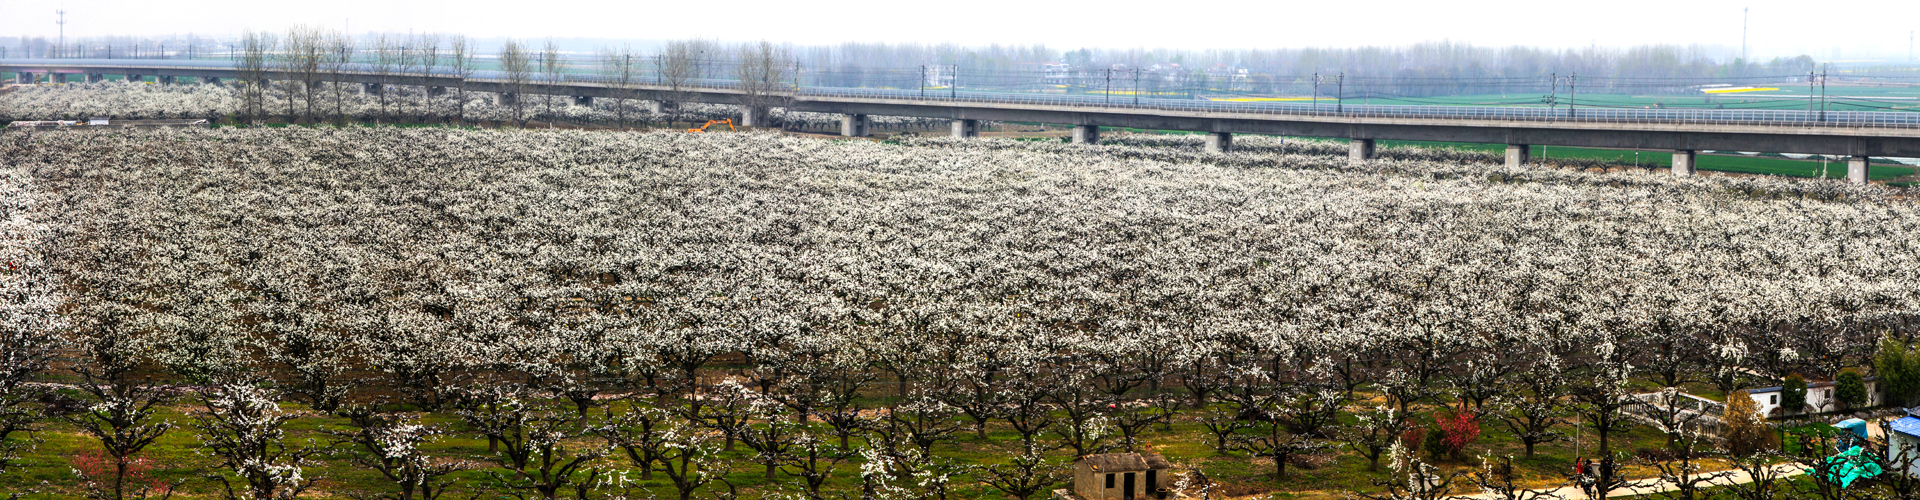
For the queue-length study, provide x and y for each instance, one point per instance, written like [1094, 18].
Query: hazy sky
[1843, 29]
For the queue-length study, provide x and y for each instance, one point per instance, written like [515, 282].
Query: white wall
[1818, 397]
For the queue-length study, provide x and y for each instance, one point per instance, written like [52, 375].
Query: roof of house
[1810, 385]
[1907, 425]
[1122, 462]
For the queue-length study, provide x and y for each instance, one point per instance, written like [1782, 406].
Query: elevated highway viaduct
[1854, 134]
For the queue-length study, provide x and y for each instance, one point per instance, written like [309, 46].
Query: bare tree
[254, 47]
[617, 65]
[764, 72]
[303, 54]
[426, 54]
[552, 67]
[337, 57]
[406, 61]
[677, 67]
[517, 65]
[459, 64]
[385, 57]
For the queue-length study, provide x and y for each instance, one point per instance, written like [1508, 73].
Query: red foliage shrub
[96, 467]
[1458, 428]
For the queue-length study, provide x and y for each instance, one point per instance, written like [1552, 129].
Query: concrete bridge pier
[23, 78]
[1857, 168]
[137, 78]
[1219, 142]
[753, 116]
[966, 128]
[658, 107]
[854, 125]
[96, 78]
[371, 88]
[1086, 134]
[1519, 154]
[166, 80]
[1359, 150]
[436, 91]
[579, 100]
[1683, 163]
[214, 81]
[507, 99]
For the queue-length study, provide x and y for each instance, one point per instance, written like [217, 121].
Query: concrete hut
[1121, 476]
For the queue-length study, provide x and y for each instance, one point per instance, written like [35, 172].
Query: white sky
[1838, 29]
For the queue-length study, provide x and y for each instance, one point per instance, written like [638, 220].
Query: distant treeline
[1437, 68]
[1424, 69]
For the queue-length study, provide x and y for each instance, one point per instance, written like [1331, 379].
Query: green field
[1763, 165]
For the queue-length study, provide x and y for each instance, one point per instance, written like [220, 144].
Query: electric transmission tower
[62, 21]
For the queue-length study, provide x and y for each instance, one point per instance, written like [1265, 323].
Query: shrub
[1793, 395]
[1434, 444]
[1414, 438]
[1898, 371]
[95, 466]
[1457, 429]
[1746, 430]
[1850, 389]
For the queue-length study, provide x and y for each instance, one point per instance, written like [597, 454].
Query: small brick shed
[1121, 476]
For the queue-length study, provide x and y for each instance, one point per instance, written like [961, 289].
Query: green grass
[1764, 165]
[179, 458]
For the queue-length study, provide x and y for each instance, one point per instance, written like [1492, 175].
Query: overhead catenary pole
[1743, 35]
[62, 21]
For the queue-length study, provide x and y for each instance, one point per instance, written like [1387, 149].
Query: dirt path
[1653, 485]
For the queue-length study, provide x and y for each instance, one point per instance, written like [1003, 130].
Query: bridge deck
[1853, 133]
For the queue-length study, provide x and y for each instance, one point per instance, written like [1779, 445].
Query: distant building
[1121, 476]
[1819, 397]
[937, 75]
[1056, 73]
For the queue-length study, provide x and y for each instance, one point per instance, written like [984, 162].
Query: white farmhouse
[1819, 396]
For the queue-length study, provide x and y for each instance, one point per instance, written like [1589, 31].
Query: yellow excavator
[703, 128]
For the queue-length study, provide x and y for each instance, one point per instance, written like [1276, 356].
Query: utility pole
[1316, 93]
[1570, 94]
[62, 21]
[1340, 94]
[1553, 92]
[1109, 91]
[1743, 34]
